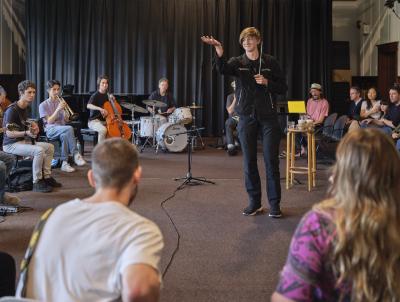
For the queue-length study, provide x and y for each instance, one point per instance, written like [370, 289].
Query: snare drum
[168, 140]
[172, 119]
[148, 124]
[183, 115]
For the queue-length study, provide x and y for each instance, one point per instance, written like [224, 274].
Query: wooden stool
[311, 167]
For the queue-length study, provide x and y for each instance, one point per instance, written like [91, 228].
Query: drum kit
[160, 131]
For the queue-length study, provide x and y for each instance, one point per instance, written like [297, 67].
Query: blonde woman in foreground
[347, 248]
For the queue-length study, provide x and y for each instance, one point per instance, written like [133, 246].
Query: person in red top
[317, 105]
[317, 110]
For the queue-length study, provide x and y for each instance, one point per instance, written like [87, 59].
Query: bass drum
[168, 140]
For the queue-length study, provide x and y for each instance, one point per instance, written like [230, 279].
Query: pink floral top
[307, 274]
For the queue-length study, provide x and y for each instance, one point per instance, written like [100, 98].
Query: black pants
[249, 129]
[7, 275]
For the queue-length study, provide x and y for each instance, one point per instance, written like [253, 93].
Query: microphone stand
[189, 179]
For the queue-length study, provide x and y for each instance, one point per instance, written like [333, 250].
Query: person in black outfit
[354, 109]
[97, 112]
[355, 105]
[259, 79]
[163, 95]
[7, 275]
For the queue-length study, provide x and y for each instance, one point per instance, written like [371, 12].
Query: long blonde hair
[365, 202]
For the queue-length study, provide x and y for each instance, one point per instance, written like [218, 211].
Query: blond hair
[249, 32]
[365, 193]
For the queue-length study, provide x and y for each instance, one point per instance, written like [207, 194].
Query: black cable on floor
[176, 231]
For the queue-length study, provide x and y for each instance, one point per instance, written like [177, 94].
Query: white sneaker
[66, 167]
[11, 200]
[78, 159]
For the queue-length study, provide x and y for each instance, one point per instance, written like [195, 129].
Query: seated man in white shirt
[97, 249]
[52, 112]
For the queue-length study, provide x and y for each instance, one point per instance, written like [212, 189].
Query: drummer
[163, 95]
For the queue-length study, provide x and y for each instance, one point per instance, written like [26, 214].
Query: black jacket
[354, 111]
[253, 99]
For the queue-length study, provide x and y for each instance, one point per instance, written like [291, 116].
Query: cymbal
[133, 107]
[195, 107]
[154, 103]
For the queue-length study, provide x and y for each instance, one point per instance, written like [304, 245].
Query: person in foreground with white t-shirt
[97, 249]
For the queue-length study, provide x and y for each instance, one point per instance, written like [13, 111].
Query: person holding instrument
[97, 112]
[258, 79]
[14, 139]
[55, 113]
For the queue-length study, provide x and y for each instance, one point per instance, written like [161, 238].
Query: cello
[116, 127]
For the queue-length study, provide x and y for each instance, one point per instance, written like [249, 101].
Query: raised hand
[213, 42]
[210, 41]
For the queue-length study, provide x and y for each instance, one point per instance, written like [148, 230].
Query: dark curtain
[136, 42]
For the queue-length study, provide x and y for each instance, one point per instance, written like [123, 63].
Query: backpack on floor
[20, 179]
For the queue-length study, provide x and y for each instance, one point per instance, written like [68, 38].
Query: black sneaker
[41, 186]
[52, 182]
[275, 213]
[251, 210]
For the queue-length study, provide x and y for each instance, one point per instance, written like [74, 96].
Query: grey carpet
[223, 255]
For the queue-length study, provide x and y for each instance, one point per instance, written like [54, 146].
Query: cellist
[96, 103]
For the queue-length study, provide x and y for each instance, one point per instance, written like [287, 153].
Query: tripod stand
[153, 136]
[135, 135]
[189, 179]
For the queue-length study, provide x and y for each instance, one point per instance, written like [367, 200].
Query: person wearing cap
[231, 122]
[317, 105]
[259, 79]
[317, 110]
